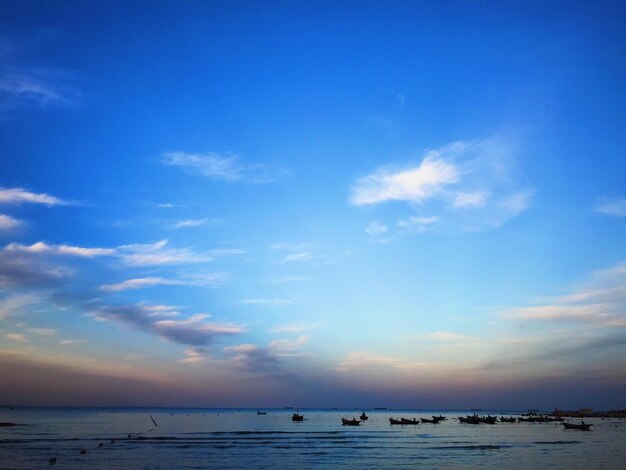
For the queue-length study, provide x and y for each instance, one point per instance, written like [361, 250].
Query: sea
[163, 438]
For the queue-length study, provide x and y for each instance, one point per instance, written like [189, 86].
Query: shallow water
[227, 438]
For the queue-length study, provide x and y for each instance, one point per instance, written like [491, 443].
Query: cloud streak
[22, 196]
[228, 168]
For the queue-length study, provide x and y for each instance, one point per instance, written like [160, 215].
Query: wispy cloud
[9, 223]
[227, 167]
[418, 224]
[167, 323]
[289, 279]
[43, 331]
[190, 223]
[445, 336]
[302, 256]
[471, 185]
[294, 328]
[614, 207]
[41, 87]
[377, 232]
[140, 283]
[194, 356]
[599, 303]
[23, 196]
[158, 253]
[205, 279]
[16, 337]
[272, 302]
[65, 342]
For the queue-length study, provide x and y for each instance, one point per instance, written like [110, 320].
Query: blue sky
[312, 204]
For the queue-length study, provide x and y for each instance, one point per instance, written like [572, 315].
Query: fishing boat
[297, 417]
[394, 421]
[510, 419]
[350, 422]
[261, 413]
[431, 421]
[363, 416]
[439, 418]
[409, 421]
[582, 426]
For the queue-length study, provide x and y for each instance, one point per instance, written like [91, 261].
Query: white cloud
[222, 168]
[194, 356]
[445, 336]
[413, 184]
[43, 331]
[614, 207]
[377, 232]
[65, 342]
[204, 279]
[16, 337]
[67, 250]
[189, 223]
[8, 223]
[139, 283]
[418, 224]
[302, 256]
[158, 253]
[21, 196]
[471, 199]
[472, 185]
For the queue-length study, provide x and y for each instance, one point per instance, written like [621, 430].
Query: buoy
[52, 460]
[83, 451]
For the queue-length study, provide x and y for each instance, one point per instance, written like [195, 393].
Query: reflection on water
[224, 438]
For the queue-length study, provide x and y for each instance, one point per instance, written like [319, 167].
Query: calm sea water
[227, 438]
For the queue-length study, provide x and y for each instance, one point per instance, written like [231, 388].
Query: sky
[402, 204]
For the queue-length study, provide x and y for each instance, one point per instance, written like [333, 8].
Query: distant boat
[350, 422]
[297, 417]
[261, 413]
[364, 417]
[440, 418]
[404, 421]
[510, 419]
[380, 408]
[582, 426]
[431, 421]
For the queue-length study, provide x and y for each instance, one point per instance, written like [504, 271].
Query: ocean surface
[231, 438]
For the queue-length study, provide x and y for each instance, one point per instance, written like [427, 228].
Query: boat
[364, 417]
[510, 419]
[470, 419]
[350, 422]
[261, 413]
[439, 418]
[297, 417]
[488, 419]
[409, 421]
[582, 426]
[394, 421]
[431, 421]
